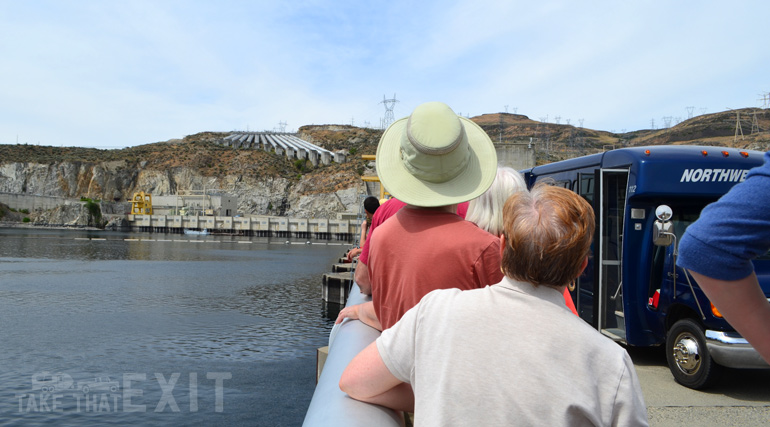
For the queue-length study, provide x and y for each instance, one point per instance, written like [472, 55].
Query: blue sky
[112, 74]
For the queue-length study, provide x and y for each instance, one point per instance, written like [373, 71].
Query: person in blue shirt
[718, 249]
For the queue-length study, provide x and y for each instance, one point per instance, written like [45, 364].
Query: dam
[258, 225]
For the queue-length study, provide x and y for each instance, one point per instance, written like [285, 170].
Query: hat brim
[469, 184]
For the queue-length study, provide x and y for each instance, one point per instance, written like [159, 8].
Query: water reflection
[69, 303]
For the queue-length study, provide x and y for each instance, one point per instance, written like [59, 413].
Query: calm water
[199, 329]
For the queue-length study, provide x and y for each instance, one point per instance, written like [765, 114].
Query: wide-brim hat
[435, 158]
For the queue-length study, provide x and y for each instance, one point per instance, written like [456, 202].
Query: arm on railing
[330, 406]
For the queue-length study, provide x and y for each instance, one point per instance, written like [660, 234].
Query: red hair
[548, 233]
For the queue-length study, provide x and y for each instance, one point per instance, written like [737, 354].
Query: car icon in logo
[99, 384]
[49, 383]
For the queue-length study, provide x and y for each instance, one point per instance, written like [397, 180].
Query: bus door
[612, 191]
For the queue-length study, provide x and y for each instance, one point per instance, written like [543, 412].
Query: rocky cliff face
[115, 181]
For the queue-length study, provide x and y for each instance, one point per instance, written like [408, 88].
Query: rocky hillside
[274, 185]
[265, 183]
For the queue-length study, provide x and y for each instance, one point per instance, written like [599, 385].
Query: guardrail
[330, 406]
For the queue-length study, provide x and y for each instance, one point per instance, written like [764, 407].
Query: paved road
[740, 397]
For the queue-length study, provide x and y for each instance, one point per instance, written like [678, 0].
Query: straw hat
[435, 158]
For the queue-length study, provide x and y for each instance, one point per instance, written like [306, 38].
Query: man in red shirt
[432, 161]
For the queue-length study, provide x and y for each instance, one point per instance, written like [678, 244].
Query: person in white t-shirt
[511, 353]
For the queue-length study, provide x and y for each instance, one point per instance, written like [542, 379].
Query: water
[198, 329]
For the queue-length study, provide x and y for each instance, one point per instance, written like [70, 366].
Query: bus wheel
[688, 358]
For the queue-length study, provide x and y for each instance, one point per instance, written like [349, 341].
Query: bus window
[586, 188]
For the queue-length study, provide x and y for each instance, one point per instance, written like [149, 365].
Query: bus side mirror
[661, 231]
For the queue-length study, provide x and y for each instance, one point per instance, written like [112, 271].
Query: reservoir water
[106, 328]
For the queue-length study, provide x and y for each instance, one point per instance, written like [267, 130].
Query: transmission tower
[754, 123]
[389, 104]
[652, 124]
[501, 125]
[546, 134]
[667, 121]
[580, 140]
[738, 128]
[765, 99]
[282, 126]
[689, 112]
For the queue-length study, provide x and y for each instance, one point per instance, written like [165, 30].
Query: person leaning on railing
[433, 161]
[486, 211]
[511, 353]
[371, 204]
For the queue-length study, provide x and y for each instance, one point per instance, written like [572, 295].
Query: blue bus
[644, 198]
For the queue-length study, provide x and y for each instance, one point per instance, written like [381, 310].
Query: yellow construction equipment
[141, 204]
[374, 178]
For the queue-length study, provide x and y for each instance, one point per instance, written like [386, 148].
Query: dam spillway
[261, 226]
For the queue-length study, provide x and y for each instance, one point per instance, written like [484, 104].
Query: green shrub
[24, 211]
[94, 213]
[26, 219]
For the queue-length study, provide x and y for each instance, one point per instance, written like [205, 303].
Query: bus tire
[688, 357]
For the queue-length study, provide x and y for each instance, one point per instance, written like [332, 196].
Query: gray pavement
[740, 396]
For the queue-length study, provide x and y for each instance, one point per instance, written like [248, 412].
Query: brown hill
[562, 141]
[552, 142]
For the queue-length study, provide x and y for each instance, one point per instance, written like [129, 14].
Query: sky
[114, 74]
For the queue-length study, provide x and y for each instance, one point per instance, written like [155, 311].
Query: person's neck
[446, 208]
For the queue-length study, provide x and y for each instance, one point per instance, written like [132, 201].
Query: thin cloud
[116, 74]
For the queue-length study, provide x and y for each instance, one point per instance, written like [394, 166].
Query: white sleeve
[396, 345]
[630, 409]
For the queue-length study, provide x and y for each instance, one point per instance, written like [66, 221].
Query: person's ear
[584, 265]
[502, 245]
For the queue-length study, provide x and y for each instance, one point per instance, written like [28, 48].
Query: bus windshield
[686, 215]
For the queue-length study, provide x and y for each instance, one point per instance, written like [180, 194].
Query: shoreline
[15, 224]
